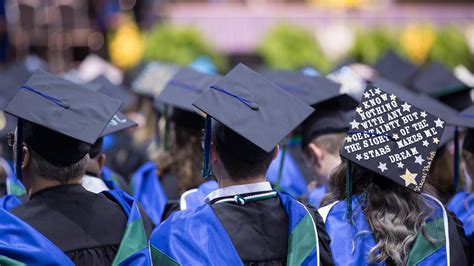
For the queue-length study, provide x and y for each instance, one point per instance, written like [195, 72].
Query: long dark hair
[394, 213]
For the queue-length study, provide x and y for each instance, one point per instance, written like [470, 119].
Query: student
[245, 221]
[323, 133]
[63, 223]
[378, 215]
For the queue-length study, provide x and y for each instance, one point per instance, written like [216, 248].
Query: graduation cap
[181, 91]
[153, 78]
[59, 119]
[309, 89]
[332, 116]
[254, 114]
[103, 85]
[21, 71]
[393, 137]
[395, 68]
[439, 82]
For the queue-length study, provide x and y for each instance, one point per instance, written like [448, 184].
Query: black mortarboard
[104, 86]
[437, 108]
[439, 82]
[393, 137]
[251, 108]
[181, 91]
[61, 118]
[332, 116]
[395, 68]
[311, 90]
[153, 78]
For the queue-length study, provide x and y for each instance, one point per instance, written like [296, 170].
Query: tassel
[349, 191]
[166, 129]
[456, 159]
[206, 166]
[19, 148]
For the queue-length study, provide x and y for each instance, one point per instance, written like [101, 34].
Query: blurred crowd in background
[120, 40]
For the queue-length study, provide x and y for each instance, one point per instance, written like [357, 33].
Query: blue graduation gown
[148, 191]
[197, 237]
[196, 197]
[22, 244]
[462, 204]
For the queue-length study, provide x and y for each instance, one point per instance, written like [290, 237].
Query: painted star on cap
[419, 160]
[423, 114]
[358, 157]
[354, 124]
[400, 165]
[359, 109]
[348, 139]
[409, 178]
[377, 90]
[439, 123]
[382, 167]
[393, 97]
[395, 136]
[366, 95]
[406, 107]
[425, 143]
[435, 140]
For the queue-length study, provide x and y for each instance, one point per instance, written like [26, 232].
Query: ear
[101, 160]
[316, 152]
[275, 152]
[26, 157]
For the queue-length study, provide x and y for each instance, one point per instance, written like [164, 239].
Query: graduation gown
[350, 243]
[274, 231]
[148, 191]
[75, 226]
[196, 197]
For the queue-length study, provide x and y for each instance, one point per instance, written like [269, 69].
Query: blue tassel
[456, 158]
[206, 166]
[19, 148]
[48, 97]
[247, 102]
[280, 169]
[349, 192]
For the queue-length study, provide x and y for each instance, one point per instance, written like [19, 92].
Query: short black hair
[96, 148]
[238, 168]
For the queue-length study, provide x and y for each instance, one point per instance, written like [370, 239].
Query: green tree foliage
[180, 45]
[292, 47]
[450, 47]
[370, 44]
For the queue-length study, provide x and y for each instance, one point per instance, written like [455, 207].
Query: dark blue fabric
[462, 204]
[147, 189]
[292, 180]
[107, 178]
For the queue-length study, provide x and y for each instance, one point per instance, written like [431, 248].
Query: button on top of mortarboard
[253, 107]
[393, 137]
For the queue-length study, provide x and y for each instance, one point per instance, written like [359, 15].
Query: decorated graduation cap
[104, 86]
[332, 116]
[253, 114]
[153, 78]
[311, 90]
[59, 119]
[395, 68]
[438, 81]
[393, 137]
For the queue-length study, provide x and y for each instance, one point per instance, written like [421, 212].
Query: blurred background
[290, 34]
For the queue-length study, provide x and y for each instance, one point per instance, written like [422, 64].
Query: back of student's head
[241, 158]
[395, 214]
[46, 168]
